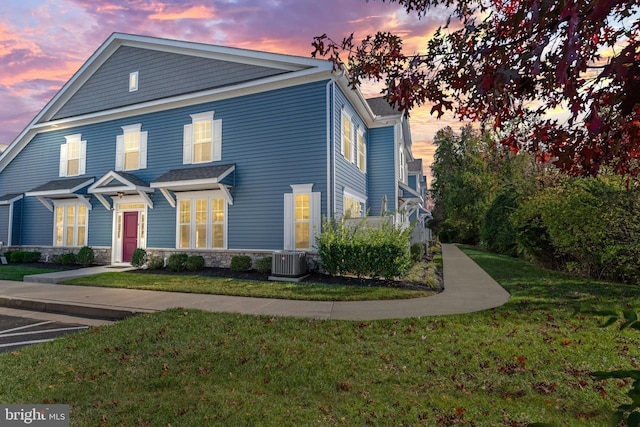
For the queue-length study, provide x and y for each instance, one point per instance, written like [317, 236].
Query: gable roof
[381, 107]
[80, 102]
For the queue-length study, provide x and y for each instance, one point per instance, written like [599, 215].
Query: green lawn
[525, 362]
[250, 288]
[17, 272]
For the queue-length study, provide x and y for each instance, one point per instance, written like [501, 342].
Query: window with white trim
[202, 141]
[71, 224]
[402, 164]
[346, 137]
[73, 156]
[353, 205]
[361, 158]
[201, 220]
[131, 148]
[133, 81]
[301, 217]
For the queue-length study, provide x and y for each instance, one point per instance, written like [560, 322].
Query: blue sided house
[174, 146]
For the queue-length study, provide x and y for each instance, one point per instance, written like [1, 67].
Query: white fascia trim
[169, 197]
[362, 106]
[347, 192]
[301, 188]
[11, 201]
[66, 191]
[104, 201]
[246, 88]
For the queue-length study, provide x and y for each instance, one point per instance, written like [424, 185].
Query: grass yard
[528, 361]
[17, 272]
[249, 288]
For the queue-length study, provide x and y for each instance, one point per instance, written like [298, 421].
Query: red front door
[129, 235]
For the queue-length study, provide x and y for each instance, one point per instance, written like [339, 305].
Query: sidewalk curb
[74, 309]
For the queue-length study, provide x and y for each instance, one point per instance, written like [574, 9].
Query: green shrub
[177, 262]
[56, 259]
[32, 257]
[138, 257]
[363, 250]
[263, 265]
[86, 256]
[417, 252]
[497, 233]
[22, 256]
[589, 224]
[16, 256]
[195, 263]
[241, 263]
[68, 259]
[155, 263]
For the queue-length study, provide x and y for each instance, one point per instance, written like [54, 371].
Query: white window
[301, 217]
[361, 158]
[131, 148]
[73, 156]
[201, 220]
[354, 204]
[346, 137]
[202, 142]
[133, 81]
[71, 220]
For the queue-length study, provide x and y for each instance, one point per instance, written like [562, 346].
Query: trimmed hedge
[177, 262]
[86, 256]
[263, 265]
[22, 256]
[241, 263]
[195, 263]
[363, 250]
[155, 263]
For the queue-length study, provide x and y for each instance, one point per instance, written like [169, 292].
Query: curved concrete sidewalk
[467, 289]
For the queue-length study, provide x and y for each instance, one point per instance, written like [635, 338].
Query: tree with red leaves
[509, 63]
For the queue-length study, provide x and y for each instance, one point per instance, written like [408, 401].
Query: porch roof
[196, 178]
[67, 188]
[9, 198]
[120, 183]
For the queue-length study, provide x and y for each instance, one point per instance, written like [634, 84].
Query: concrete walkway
[467, 288]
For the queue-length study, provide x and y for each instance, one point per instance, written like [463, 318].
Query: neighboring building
[175, 146]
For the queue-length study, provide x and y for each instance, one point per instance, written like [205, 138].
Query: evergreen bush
[363, 250]
[138, 257]
[68, 259]
[195, 263]
[177, 262]
[155, 263]
[86, 256]
[241, 263]
[263, 265]
[417, 252]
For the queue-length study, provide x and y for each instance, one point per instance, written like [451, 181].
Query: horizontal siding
[276, 139]
[160, 75]
[4, 224]
[347, 174]
[381, 169]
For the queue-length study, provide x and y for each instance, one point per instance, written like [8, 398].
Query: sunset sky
[43, 42]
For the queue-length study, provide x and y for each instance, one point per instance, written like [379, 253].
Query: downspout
[329, 98]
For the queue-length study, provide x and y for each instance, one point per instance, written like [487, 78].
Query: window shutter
[216, 140]
[187, 145]
[63, 160]
[119, 152]
[82, 163]
[142, 156]
[316, 223]
[289, 225]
